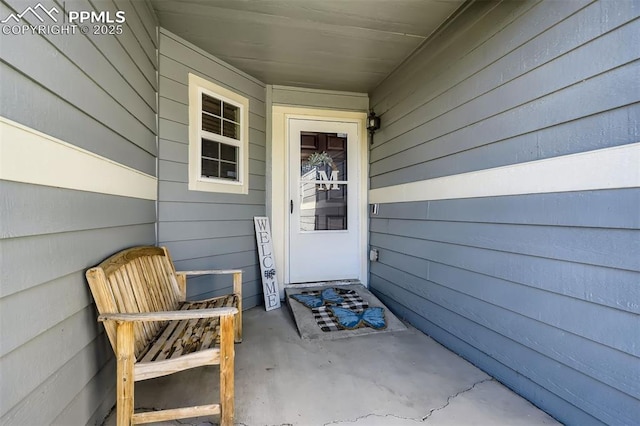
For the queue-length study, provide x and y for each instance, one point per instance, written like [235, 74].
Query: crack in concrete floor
[367, 416]
[450, 398]
[418, 420]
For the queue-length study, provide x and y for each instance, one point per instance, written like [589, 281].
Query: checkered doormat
[323, 316]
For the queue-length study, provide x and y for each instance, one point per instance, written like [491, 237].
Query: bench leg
[125, 382]
[227, 353]
[237, 289]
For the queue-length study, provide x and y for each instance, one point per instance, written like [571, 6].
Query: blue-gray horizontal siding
[482, 121]
[49, 326]
[87, 91]
[97, 93]
[540, 290]
[573, 316]
[206, 230]
[323, 99]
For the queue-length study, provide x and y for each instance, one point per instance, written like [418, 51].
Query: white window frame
[197, 182]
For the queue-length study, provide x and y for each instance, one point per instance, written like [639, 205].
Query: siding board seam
[76, 318]
[575, 296]
[126, 80]
[134, 33]
[471, 76]
[489, 39]
[484, 222]
[496, 114]
[450, 265]
[82, 110]
[222, 254]
[515, 283]
[511, 251]
[433, 38]
[61, 368]
[89, 77]
[152, 13]
[153, 81]
[595, 291]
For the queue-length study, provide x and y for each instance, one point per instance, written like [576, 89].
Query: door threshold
[323, 283]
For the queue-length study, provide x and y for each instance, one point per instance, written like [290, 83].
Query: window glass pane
[228, 171]
[323, 156]
[211, 105]
[228, 152]
[323, 207]
[231, 130]
[211, 124]
[231, 112]
[210, 149]
[210, 168]
[212, 154]
[323, 161]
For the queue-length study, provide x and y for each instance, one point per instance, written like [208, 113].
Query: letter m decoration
[328, 185]
[267, 263]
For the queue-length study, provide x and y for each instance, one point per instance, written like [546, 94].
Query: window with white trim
[218, 138]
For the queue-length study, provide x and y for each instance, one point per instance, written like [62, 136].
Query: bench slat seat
[184, 337]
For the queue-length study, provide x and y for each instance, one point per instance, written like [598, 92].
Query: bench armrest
[237, 279]
[169, 315]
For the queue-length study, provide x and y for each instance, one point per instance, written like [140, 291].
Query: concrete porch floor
[397, 379]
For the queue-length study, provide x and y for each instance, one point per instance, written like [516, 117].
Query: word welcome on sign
[267, 263]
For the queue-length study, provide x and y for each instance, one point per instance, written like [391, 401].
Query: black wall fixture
[373, 124]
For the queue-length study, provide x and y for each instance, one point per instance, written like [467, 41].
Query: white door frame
[278, 173]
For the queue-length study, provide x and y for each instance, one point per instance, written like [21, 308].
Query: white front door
[323, 200]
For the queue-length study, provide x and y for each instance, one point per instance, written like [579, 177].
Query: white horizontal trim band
[30, 156]
[608, 168]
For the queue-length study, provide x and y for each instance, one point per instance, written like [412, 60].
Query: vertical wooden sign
[267, 263]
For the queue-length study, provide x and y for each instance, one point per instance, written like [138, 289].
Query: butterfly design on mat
[327, 296]
[348, 319]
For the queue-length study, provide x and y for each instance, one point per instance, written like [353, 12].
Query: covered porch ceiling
[349, 45]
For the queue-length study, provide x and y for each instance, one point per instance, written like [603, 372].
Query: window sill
[225, 188]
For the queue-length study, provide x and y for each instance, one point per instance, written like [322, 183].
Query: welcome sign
[267, 263]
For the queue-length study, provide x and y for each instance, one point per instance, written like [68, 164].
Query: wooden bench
[154, 332]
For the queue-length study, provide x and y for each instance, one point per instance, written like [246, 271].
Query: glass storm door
[323, 225]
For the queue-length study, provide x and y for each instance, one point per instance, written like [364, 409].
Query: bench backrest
[139, 279]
